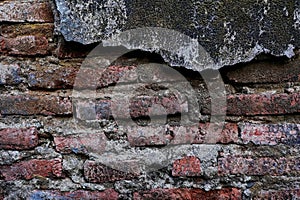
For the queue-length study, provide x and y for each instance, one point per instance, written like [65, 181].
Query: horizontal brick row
[189, 194]
[258, 166]
[266, 72]
[263, 104]
[24, 45]
[165, 135]
[18, 139]
[22, 11]
[270, 134]
[278, 194]
[32, 168]
[35, 105]
[108, 194]
[17, 30]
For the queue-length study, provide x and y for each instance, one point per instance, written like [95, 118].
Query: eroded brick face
[187, 166]
[32, 168]
[19, 139]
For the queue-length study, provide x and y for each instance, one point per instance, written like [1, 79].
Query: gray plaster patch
[230, 31]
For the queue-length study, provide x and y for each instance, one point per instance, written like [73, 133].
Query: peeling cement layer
[229, 31]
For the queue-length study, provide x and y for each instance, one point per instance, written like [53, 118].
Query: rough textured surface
[230, 31]
[53, 148]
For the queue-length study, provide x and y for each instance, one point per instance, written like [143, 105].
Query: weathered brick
[32, 168]
[99, 173]
[266, 72]
[270, 134]
[15, 30]
[258, 166]
[189, 194]
[278, 194]
[187, 166]
[30, 11]
[24, 45]
[174, 135]
[82, 143]
[108, 194]
[140, 106]
[263, 104]
[35, 105]
[18, 139]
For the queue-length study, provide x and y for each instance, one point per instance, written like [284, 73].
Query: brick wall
[43, 154]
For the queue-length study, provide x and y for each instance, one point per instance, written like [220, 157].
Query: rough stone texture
[18, 139]
[230, 31]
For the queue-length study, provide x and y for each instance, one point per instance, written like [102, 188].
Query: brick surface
[278, 194]
[189, 194]
[174, 135]
[108, 194]
[266, 72]
[263, 104]
[82, 143]
[30, 11]
[35, 105]
[98, 173]
[15, 30]
[32, 168]
[270, 134]
[259, 166]
[187, 166]
[19, 139]
[24, 45]
[140, 106]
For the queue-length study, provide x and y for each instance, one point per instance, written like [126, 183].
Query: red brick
[18, 139]
[32, 168]
[270, 134]
[140, 106]
[35, 105]
[258, 166]
[24, 45]
[278, 194]
[15, 30]
[16, 11]
[226, 134]
[99, 173]
[187, 166]
[174, 135]
[82, 143]
[188, 194]
[266, 72]
[108, 194]
[263, 104]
